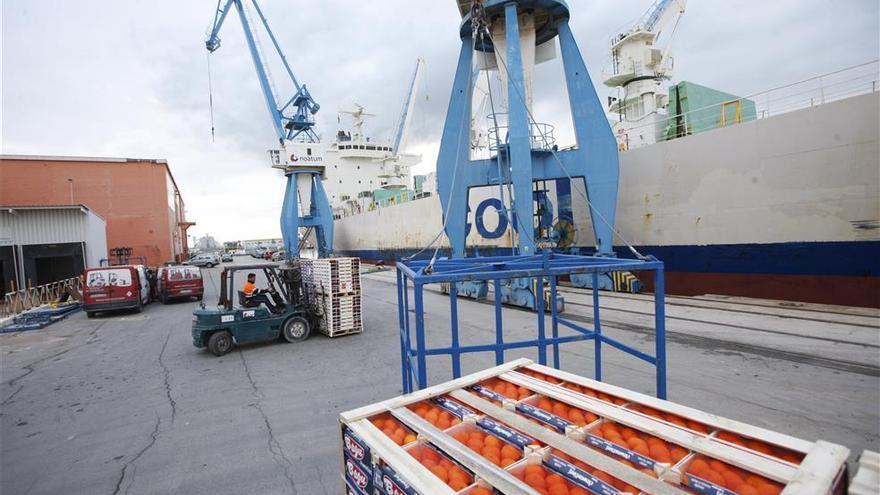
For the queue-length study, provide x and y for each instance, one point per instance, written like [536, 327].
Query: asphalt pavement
[125, 404]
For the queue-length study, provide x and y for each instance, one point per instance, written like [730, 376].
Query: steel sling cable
[430, 266]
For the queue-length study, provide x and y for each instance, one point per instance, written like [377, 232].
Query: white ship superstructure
[358, 167]
[363, 173]
[641, 66]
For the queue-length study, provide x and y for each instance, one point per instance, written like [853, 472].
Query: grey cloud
[126, 78]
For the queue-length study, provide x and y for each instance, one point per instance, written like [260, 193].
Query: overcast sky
[129, 78]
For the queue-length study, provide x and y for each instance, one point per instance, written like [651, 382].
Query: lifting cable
[474, 9]
[210, 96]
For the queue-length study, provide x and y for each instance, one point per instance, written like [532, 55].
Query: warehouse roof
[81, 158]
[80, 207]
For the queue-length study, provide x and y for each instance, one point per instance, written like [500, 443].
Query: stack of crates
[525, 429]
[333, 288]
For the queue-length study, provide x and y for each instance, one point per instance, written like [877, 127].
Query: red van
[110, 288]
[179, 281]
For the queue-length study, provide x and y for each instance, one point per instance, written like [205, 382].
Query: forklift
[237, 320]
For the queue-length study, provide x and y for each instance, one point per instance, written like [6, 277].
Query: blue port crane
[300, 154]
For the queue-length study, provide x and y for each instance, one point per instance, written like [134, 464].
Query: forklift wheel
[220, 343]
[295, 329]
[90, 314]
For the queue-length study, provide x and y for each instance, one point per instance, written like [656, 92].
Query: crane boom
[300, 155]
[406, 115]
[295, 118]
[661, 13]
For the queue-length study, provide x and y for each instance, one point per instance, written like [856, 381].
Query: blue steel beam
[286, 127]
[596, 145]
[262, 74]
[519, 147]
[454, 155]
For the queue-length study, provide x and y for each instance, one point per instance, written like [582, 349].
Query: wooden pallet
[372, 462]
[340, 314]
[332, 275]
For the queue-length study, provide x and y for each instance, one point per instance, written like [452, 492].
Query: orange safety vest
[249, 288]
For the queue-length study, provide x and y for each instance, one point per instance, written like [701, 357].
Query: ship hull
[786, 207]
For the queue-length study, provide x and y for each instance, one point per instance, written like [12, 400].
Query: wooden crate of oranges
[521, 428]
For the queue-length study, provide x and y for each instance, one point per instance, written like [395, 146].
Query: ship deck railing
[825, 88]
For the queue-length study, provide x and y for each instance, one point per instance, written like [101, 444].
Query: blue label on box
[389, 482]
[580, 477]
[614, 449]
[542, 415]
[489, 393]
[505, 433]
[358, 479]
[355, 448]
[704, 487]
[453, 407]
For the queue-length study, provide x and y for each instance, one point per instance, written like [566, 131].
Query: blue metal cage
[539, 268]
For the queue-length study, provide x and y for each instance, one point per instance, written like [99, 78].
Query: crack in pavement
[153, 437]
[167, 373]
[274, 447]
[13, 394]
[30, 367]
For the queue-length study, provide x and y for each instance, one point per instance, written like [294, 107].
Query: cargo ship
[774, 195]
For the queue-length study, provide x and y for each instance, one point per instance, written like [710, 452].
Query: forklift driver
[258, 296]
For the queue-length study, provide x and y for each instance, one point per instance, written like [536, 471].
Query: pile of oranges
[602, 475]
[574, 387]
[393, 429]
[434, 414]
[492, 448]
[577, 416]
[640, 443]
[540, 376]
[448, 472]
[507, 389]
[546, 482]
[732, 478]
[670, 418]
[762, 447]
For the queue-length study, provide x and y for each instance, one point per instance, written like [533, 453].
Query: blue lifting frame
[523, 153]
[546, 265]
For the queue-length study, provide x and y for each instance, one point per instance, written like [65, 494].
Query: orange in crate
[443, 468]
[434, 414]
[737, 480]
[762, 447]
[573, 414]
[497, 451]
[574, 387]
[602, 475]
[647, 445]
[507, 389]
[670, 418]
[393, 429]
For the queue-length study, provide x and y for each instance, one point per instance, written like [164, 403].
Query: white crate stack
[333, 286]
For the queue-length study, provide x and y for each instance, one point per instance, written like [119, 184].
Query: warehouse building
[44, 244]
[138, 198]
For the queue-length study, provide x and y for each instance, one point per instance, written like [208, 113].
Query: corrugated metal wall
[26, 227]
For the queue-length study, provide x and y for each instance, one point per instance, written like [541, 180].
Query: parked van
[179, 281]
[110, 288]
